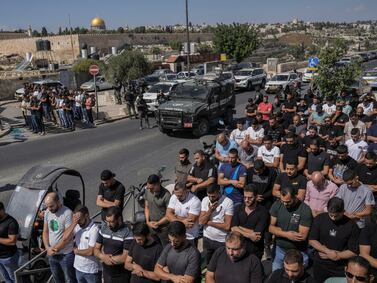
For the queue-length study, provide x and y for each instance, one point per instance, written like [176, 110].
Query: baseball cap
[107, 175]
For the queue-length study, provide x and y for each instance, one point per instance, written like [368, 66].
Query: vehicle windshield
[25, 216]
[191, 90]
[227, 76]
[280, 78]
[97, 79]
[370, 74]
[243, 73]
[310, 71]
[171, 77]
[158, 88]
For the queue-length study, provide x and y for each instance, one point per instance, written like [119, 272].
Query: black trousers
[209, 247]
[115, 274]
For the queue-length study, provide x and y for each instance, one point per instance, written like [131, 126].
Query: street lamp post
[188, 39]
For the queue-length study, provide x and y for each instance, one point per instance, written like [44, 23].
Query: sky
[53, 14]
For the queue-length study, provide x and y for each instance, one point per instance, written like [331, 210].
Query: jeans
[278, 261]
[62, 268]
[8, 266]
[131, 108]
[88, 277]
[46, 111]
[70, 119]
[209, 247]
[34, 125]
[78, 113]
[62, 118]
[40, 124]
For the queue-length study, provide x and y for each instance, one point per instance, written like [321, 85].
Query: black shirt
[204, 172]
[281, 277]
[276, 132]
[307, 140]
[330, 130]
[367, 176]
[342, 118]
[247, 269]
[290, 104]
[317, 161]
[145, 256]
[250, 109]
[264, 183]
[8, 226]
[112, 193]
[292, 152]
[296, 182]
[339, 236]
[258, 220]
[368, 237]
[331, 149]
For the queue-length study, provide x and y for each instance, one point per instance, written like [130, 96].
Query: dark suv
[196, 105]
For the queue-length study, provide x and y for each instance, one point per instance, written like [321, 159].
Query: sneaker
[141, 128]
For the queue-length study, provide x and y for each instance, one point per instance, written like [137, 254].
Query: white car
[281, 82]
[150, 96]
[101, 84]
[185, 75]
[370, 76]
[309, 75]
[249, 78]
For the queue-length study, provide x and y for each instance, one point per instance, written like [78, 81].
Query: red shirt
[265, 107]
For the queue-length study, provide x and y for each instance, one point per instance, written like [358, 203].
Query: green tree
[35, 33]
[333, 79]
[175, 45]
[129, 65]
[44, 31]
[156, 50]
[297, 51]
[82, 66]
[60, 31]
[204, 48]
[120, 30]
[238, 41]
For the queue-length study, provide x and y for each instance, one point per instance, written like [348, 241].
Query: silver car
[101, 84]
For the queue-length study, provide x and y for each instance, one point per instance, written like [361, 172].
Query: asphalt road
[120, 146]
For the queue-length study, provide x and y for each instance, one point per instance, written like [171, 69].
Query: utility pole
[70, 33]
[188, 40]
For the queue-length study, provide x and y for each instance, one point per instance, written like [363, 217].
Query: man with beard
[330, 146]
[247, 154]
[180, 260]
[340, 164]
[291, 220]
[312, 135]
[223, 146]
[112, 246]
[354, 122]
[367, 171]
[143, 255]
[358, 198]
[274, 130]
[293, 272]
[85, 234]
[299, 126]
[184, 206]
[57, 219]
[156, 202]
[318, 160]
[182, 168]
[202, 175]
[318, 192]
[251, 220]
[328, 129]
[250, 112]
[292, 149]
[110, 193]
[269, 153]
[232, 176]
[289, 108]
[292, 179]
[335, 238]
[216, 217]
[233, 263]
[317, 118]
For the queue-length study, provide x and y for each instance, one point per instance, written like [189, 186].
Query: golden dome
[97, 22]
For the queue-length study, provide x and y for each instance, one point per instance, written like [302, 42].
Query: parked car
[168, 77]
[150, 96]
[101, 84]
[185, 75]
[149, 81]
[244, 65]
[281, 82]
[161, 72]
[48, 83]
[350, 60]
[370, 76]
[309, 75]
[249, 78]
[226, 77]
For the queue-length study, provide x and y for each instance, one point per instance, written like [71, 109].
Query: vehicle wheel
[165, 131]
[202, 128]
[263, 84]
[228, 118]
[249, 86]
[40, 277]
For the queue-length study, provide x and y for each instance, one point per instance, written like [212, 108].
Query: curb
[8, 102]
[3, 134]
[110, 120]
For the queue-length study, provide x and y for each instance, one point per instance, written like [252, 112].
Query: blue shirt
[372, 131]
[224, 150]
[233, 173]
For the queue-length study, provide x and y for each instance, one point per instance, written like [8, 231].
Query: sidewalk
[109, 111]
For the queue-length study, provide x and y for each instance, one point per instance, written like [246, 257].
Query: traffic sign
[93, 70]
[313, 62]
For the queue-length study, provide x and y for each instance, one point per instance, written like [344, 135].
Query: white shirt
[268, 156]
[85, 238]
[254, 135]
[191, 205]
[225, 207]
[367, 109]
[237, 135]
[356, 150]
[329, 109]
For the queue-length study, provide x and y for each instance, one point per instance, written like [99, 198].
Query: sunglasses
[358, 278]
